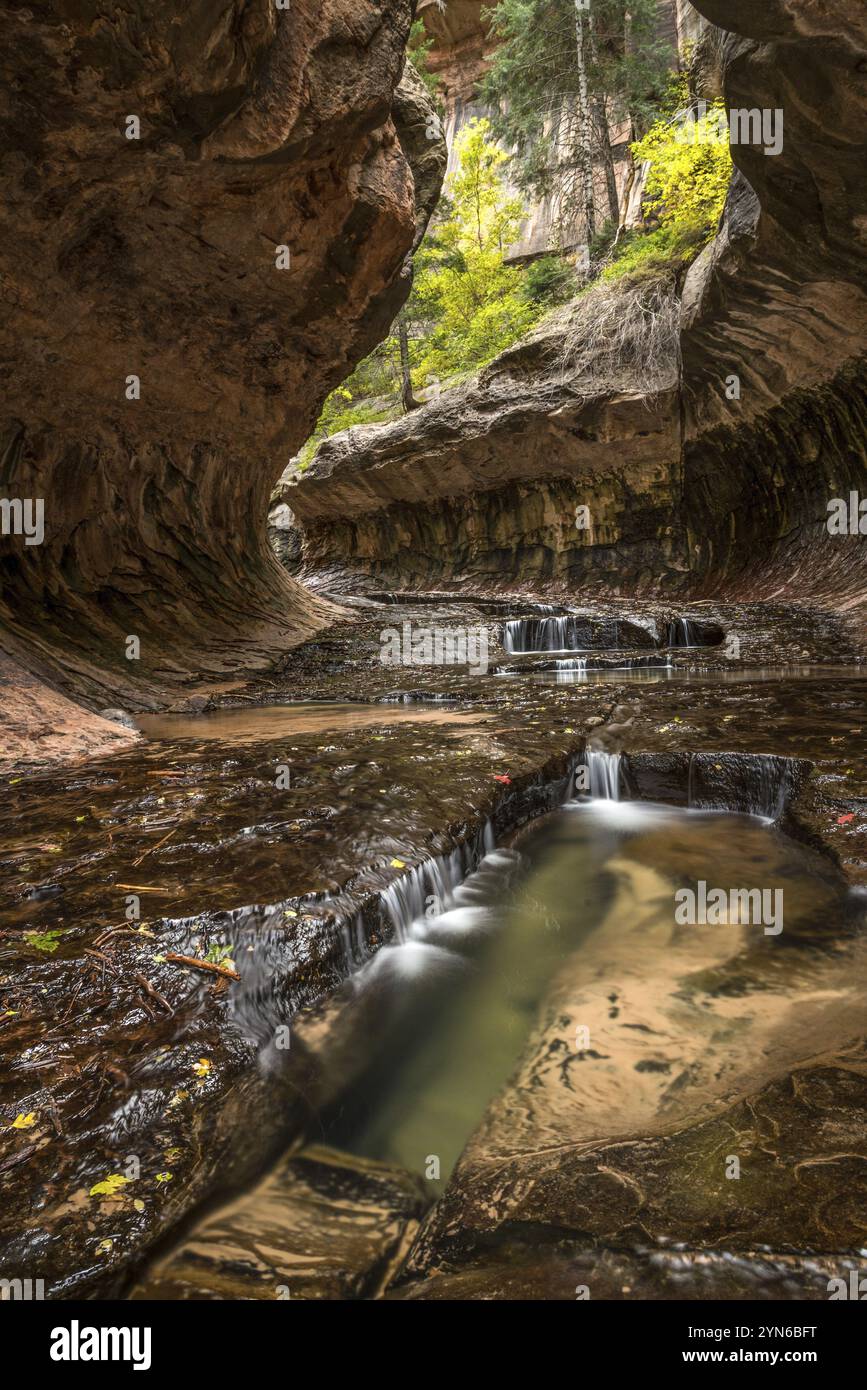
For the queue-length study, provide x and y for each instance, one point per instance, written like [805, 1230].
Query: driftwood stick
[208, 965]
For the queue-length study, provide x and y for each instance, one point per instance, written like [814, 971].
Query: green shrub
[548, 281]
[648, 255]
[690, 169]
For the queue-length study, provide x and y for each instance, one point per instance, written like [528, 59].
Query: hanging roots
[624, 335]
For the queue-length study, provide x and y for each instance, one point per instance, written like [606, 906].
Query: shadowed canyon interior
[437, 864]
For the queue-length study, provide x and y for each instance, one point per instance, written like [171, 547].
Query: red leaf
[498, 777]
[844, 820]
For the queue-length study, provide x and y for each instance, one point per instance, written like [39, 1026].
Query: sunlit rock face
[462, 43]
[714, 471]
[156, 258]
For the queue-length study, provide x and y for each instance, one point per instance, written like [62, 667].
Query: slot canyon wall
[156, 258]
[690, 491]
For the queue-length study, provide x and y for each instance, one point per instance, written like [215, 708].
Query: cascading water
[755, 784]
[429, 888]
[539, 635]
[575, 632]
[682, 632]
[418, 697]
[604, 771]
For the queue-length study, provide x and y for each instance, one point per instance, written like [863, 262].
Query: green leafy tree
[690, 167]
[465, 296]
[466, 303]
[561, 76]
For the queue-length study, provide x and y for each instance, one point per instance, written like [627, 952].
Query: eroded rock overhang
[155, 258]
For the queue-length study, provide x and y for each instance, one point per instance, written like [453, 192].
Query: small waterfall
[682, 632]
[756, 784]
[539, 635]
[604, 771]
[575, 632]
[429, 888]
[272, 939]
[417, 697]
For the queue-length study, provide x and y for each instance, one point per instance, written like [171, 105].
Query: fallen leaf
[202, 1067]
[110, 1186]
[24, 1121]
[398, 864]
[844, 820]
[45, 940]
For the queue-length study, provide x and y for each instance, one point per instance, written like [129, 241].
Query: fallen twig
[151, 848]
[98, 955]
[208, 965]
[19, 1157]
[109, 932]
[154, 993]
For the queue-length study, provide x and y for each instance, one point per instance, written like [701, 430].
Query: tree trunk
[585, 129]
[604, 138]
[408, 399]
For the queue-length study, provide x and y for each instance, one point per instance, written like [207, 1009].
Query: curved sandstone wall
[155, 258]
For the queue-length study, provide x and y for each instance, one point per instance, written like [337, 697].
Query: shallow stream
[592, 889]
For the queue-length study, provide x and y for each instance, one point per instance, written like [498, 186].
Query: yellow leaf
[164, 1177]
[25, 1121]
[202, 1067]
[110, 1186]
[398, 864]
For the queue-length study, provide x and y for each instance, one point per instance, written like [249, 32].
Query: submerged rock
[118, 716]
[323, 1225]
